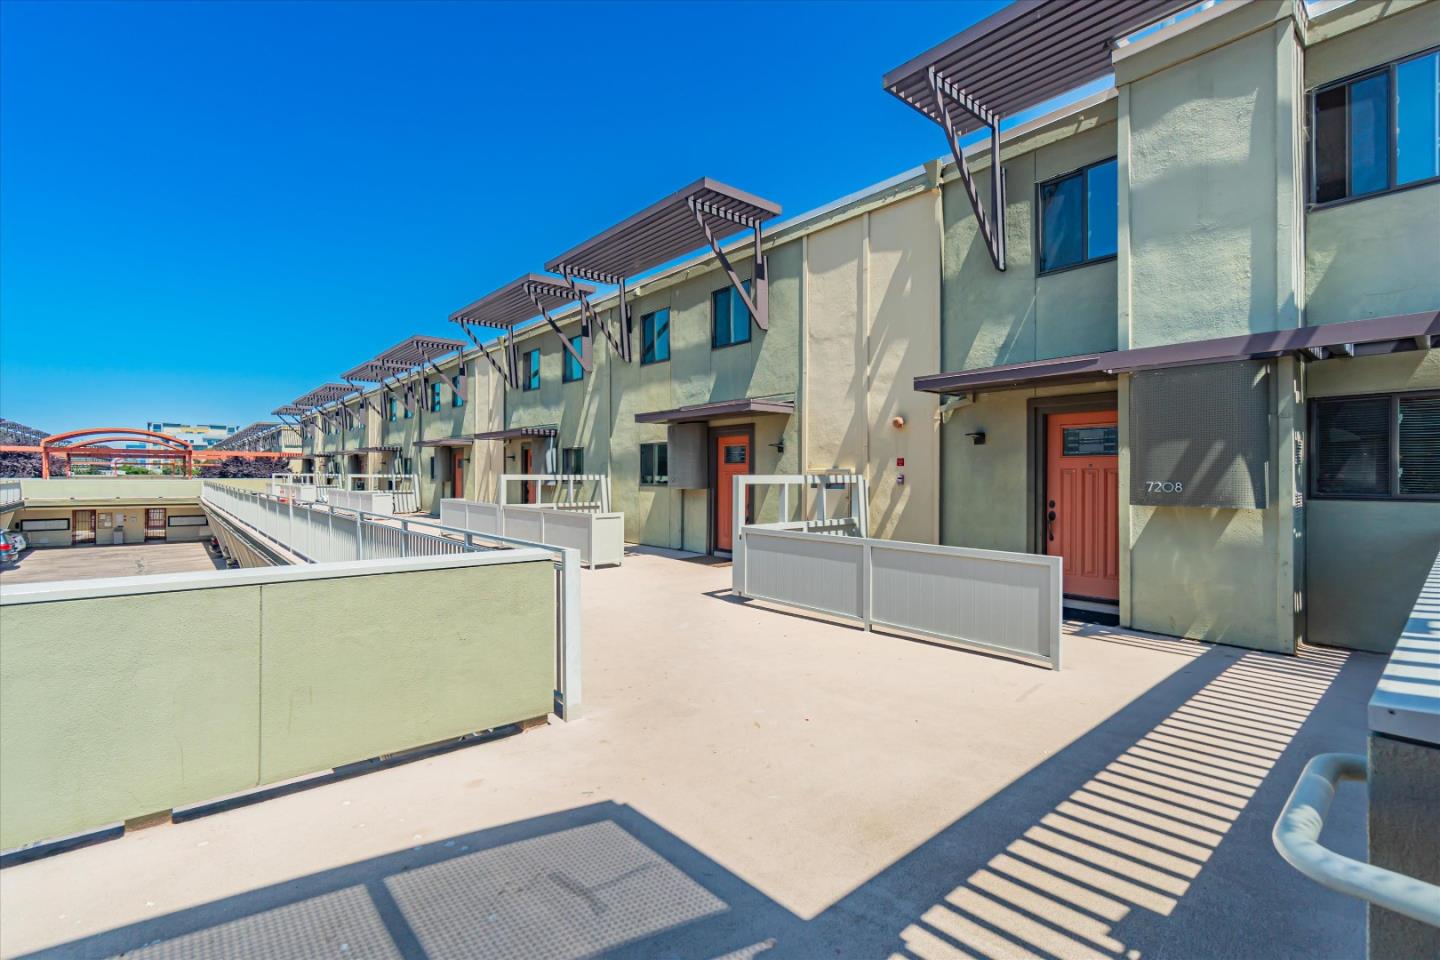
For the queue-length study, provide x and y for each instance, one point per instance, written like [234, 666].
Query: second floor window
[573, 371]
[532, 369]
[1377, 131]
[655, 337]
[394, 409]
[435, 397]
[457, 391]
[730, 321]
[1078, 215]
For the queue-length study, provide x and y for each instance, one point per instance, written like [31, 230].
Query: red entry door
[732, 458]
[1082, 491]
[457, 459]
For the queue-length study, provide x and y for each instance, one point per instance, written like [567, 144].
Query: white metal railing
[405, 487]
[320, 479]
[600, 537]
[1001, 601]
[378, 502]
[303, 492]
[10, 493]
[321, 533]
[568, 491]
[1405, 707]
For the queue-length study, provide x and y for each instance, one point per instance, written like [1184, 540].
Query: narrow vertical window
[1078, 217]
[1419, 446]
[655, 334]
[1102, 209]
[1330, 166]
[532, 369]
[1370, 135]
[573, 371]
[457, 391]
[730, 320]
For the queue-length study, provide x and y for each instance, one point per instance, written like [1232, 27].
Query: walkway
[751, 782]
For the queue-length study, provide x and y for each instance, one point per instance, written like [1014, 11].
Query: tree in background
[238, 468]
[28, 465]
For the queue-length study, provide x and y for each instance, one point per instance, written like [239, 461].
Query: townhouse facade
[1205, 375]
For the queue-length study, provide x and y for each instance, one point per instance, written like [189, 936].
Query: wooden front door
[527, 460]
[457, 461]
[732, 458]
[1082, 492]
[82, 526]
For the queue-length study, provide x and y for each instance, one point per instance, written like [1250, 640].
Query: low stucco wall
[112, 707]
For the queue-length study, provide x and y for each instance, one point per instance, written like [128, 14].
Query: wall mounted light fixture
[977, 438]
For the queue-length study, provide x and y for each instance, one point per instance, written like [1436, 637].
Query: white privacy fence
[599, 537]
[302, 492]
[403, 487]
[561, 491]
[322, 533]
[1001, 601]
[367, 501]
[319, 479]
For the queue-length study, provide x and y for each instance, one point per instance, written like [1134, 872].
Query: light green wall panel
[112, 708]
[479, 652]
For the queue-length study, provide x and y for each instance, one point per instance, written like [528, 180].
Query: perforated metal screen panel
[1200, 436]
[689, 463]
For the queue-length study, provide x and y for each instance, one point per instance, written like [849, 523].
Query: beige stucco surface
[116, 707]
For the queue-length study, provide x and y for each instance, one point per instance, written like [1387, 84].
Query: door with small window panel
[155, 523]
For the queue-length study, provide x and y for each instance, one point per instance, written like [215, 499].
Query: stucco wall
[116, 707]
[993, 318]
[1368, 558]
[1211, 167]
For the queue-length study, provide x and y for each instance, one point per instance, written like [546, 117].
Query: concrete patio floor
[749, 782]
[128, 560]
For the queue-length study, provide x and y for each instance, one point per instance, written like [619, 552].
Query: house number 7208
[1164, 486]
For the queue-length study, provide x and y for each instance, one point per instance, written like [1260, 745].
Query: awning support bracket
[505, 375]
[585, 355]
[759, 306]
[992, 225]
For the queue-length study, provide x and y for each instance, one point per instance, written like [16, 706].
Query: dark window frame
[457, 395]
[532, 373]
[1312, 422]
[568, 455]
[568, 363]
[437, 396]
[1313, 173]
[652, 482]
[715, 343]
[646, 344]
[1084, 261]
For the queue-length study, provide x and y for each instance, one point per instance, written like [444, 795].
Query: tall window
[457, 391]
[729, 320]
[394, 406]
[572, 371]
[1078, 214]
[1377, 131]
[654, 464]
[532, 369]
[409, 407]
[572, 460]
[655, 336]
[1377, 447]
[435, 397]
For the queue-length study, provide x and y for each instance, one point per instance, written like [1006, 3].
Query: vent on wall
[1200, 436]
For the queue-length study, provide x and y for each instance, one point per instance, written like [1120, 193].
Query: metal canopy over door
[732, 458]
[82, 526]
[1082, 490]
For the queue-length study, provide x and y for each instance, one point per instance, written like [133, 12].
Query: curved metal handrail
[1297, 838]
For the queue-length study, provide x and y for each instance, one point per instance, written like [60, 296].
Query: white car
[17, 540]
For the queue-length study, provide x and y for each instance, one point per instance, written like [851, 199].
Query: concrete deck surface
[750, 782]
[88, 563]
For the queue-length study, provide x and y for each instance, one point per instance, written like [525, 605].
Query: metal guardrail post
[568, 685]
[1297, 838]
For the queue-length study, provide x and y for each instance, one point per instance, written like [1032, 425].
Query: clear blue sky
[207, 209]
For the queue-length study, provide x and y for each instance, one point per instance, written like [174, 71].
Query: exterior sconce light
[977, 438]
[779, 445]
[898, 422]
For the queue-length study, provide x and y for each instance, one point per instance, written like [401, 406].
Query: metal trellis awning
[1029, 52]
[517, 432]
[525, 298]
[704, 213]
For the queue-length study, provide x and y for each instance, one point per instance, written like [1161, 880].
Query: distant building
[200, 436]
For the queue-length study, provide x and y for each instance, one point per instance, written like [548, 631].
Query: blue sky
[207, 209]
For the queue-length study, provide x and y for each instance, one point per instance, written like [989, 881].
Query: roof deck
[748, 780]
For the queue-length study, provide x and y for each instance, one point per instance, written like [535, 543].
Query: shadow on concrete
[1147, 837]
